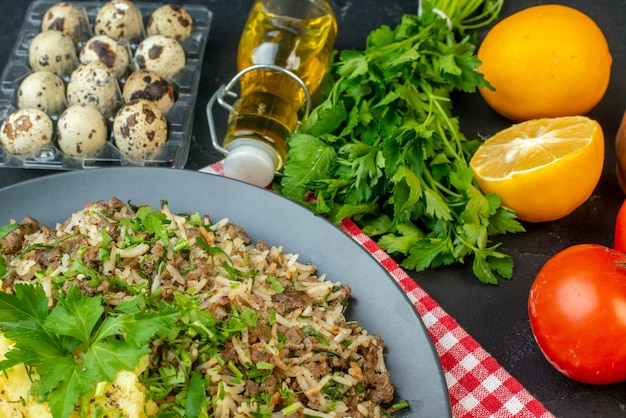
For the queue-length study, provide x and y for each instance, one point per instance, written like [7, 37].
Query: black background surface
[495, 316]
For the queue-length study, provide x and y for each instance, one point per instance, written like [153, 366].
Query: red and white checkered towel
[478, 386]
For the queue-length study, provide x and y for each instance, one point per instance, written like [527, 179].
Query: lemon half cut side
[543, 169]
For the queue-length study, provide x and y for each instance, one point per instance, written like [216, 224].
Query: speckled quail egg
[119, 19]
[165, 56]
[93, 84]
[81, 131]
[139, 128]
[171, 20]
[108, 51]
[26, 130]
[144, 84]
[53, 51]
[42, 90]
[68, 18]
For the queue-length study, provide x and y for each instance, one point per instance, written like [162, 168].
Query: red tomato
[619, 238]
[577, 309]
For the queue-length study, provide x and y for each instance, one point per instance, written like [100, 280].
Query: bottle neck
[298, 35]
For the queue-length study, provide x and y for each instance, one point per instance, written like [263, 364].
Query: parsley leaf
[23, 313]
[110, 356]
[62, 382]
[154, 222]
[4, 272]
[75, 316]
[196, 404]
[7, 229]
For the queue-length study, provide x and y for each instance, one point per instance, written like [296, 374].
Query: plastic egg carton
[180, 117]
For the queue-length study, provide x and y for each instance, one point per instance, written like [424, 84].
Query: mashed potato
[125, 395]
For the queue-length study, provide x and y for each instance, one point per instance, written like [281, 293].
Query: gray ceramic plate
[377, 301]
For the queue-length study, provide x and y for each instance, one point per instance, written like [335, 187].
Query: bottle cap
[250, 161]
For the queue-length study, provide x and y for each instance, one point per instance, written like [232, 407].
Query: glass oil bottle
[283, 54]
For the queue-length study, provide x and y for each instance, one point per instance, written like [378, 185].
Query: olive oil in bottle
[297, 36]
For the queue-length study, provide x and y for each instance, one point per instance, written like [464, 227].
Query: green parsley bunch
[383, 148]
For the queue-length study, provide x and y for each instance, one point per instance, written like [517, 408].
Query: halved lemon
[543, 169]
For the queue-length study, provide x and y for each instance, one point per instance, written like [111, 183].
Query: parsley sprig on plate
[384, 149]
[71, 346]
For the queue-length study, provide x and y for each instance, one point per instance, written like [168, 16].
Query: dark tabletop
[495, 316]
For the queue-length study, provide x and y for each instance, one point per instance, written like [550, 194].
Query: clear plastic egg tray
[180, 117]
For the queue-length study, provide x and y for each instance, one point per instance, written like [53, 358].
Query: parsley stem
[434, 184]
[398, 406]
[234, 370]
[290, 409]
[464, 14]
[440, 116]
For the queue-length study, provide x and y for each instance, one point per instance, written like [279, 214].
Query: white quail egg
[68, 18]
[52, 51]
[93, 84]
[119, 19]
[108, 51]
[42, 90]
[165, 56]
[81, 131]
[139, 128]
[26, 130]
[144, 84]
[171, 20]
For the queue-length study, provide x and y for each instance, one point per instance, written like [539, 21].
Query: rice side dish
[193, 318]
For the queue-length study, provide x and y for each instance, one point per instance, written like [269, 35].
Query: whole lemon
[545, 61]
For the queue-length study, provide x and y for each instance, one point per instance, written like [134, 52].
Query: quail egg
[108, 51]
[93, 84]
[119, 19]
[171, 20]
[26, 130]
[165, 56]
[139, 128]
[42, 90]
[52, 51]
[81, 131]
[68, 18]
[144, 84]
